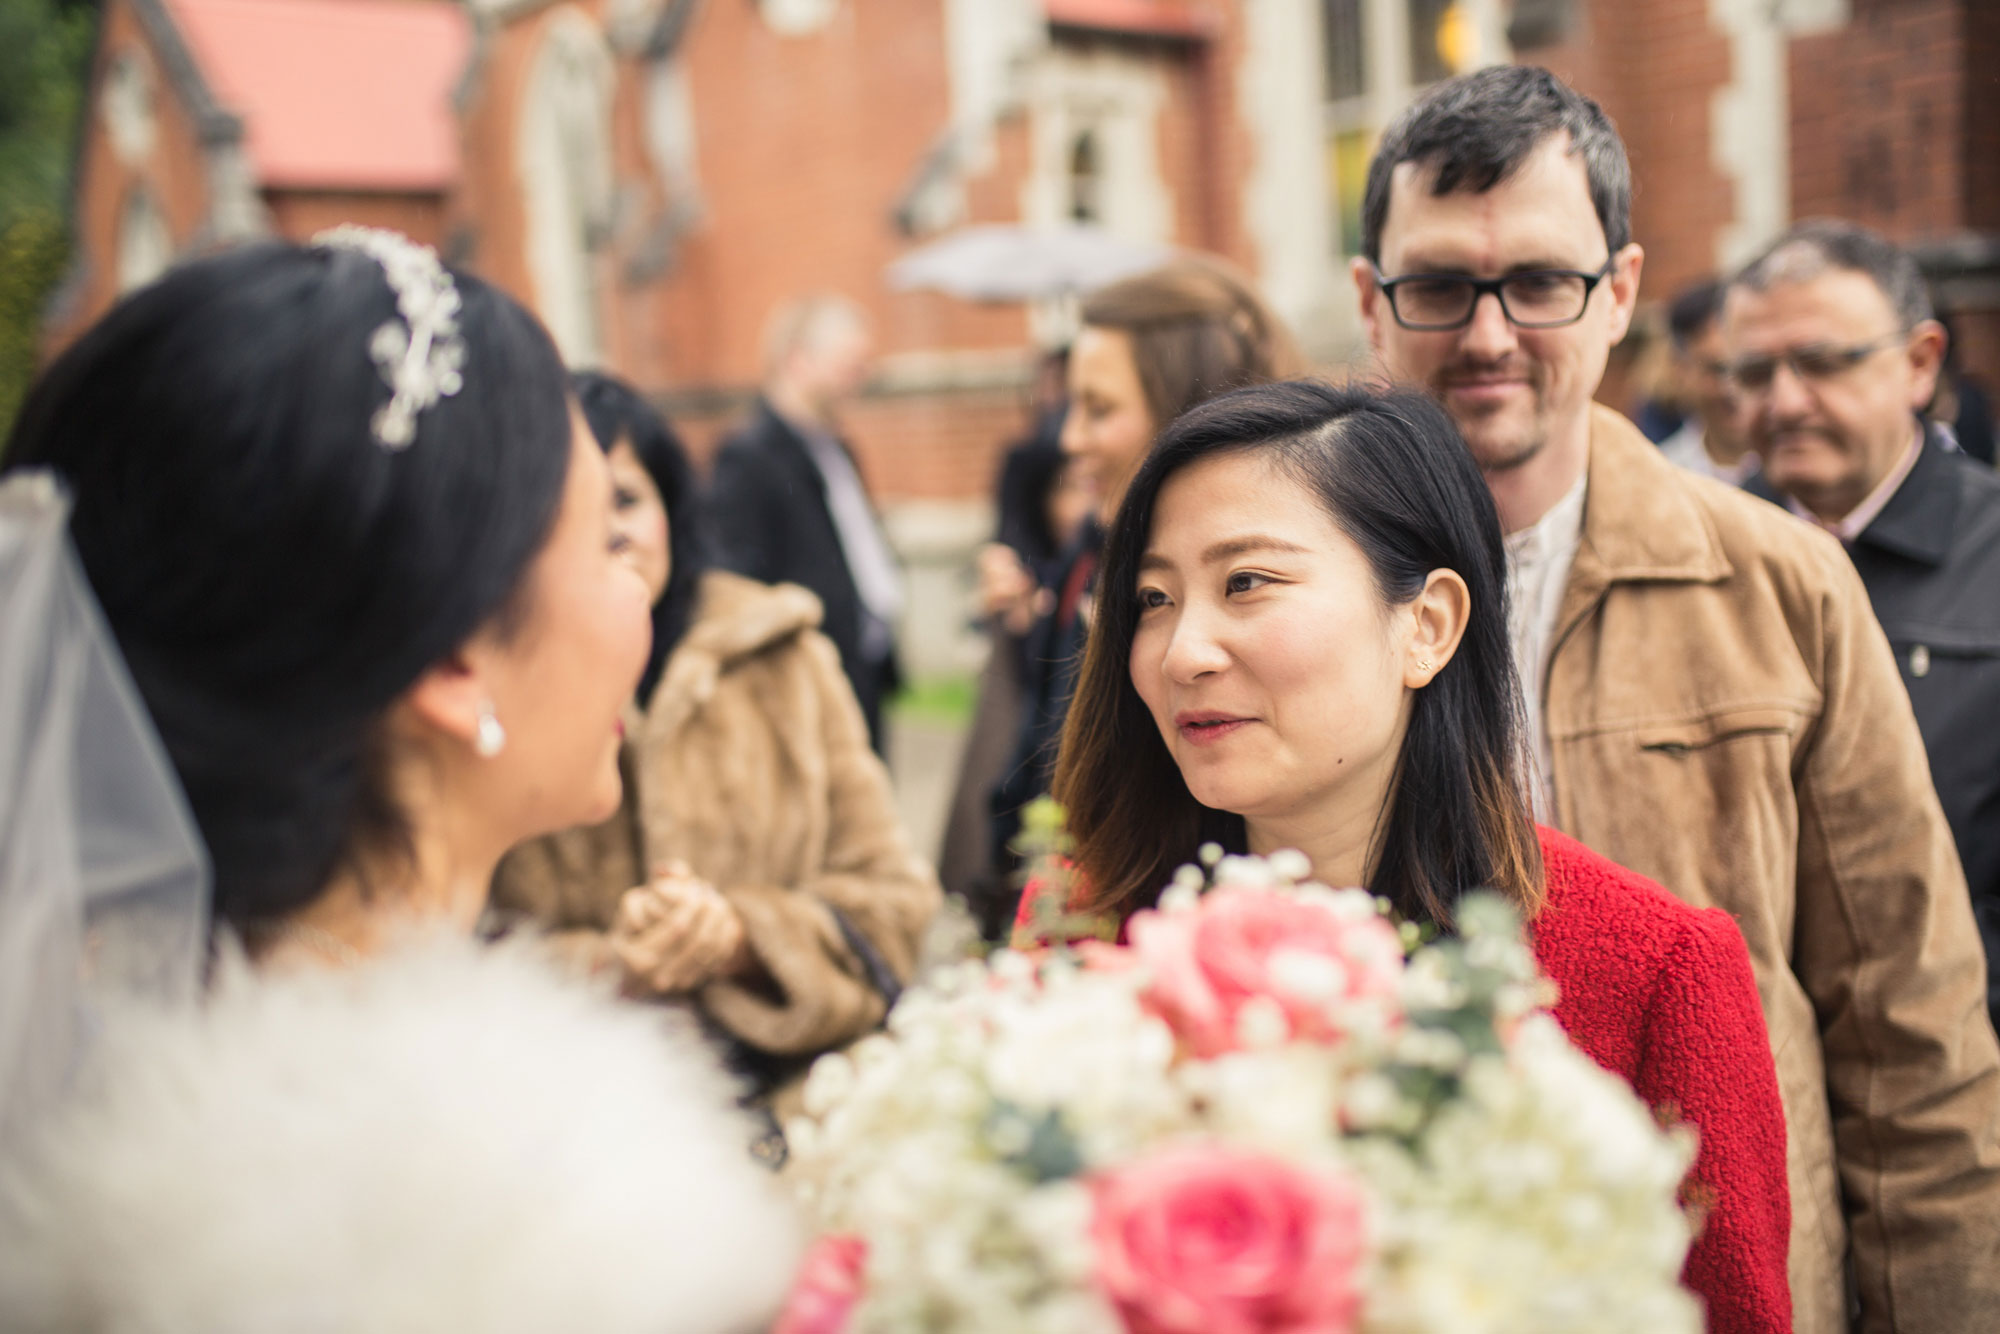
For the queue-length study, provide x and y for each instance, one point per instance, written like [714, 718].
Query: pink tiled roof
[336, 94]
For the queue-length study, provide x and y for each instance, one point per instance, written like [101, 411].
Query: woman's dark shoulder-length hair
[275, 577]
[1395, 477]
[619, 414]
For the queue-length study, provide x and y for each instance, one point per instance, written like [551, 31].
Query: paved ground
[923, 763]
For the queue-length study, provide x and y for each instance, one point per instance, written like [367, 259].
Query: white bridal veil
[103, 879]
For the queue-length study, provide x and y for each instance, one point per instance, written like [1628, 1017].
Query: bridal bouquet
[1273, 1110]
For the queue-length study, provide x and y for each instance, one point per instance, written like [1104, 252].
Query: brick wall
[804, 147]
[1878, 119]
[298, 214]
[1656, 68]
[1896, 124]
[487, 218]
[175, 174]
[1210, 175]
[1982, 115]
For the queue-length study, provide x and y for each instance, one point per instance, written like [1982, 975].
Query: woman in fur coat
[757, 864]
[356, 548]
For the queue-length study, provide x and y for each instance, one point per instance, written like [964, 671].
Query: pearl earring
[489, 738]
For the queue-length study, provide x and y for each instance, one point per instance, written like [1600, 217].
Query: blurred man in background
[1710, 442]
[1710, 699]
[1832, 342]
[787, 503]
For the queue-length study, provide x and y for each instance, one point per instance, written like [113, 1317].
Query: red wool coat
[1661, 994]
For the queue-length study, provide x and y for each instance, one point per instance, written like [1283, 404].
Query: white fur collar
[450, 1138]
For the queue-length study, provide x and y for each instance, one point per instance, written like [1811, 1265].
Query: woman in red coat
[1302, 643]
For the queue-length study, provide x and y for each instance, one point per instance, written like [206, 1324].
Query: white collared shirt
[870, 562]
[1538, 564]
[1688, 448]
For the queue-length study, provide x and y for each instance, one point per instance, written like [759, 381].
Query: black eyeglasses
[1531, 299]
[1815, 361]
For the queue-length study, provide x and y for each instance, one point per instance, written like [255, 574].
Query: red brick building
[655, 176]
[214, 120]
[1742, 115]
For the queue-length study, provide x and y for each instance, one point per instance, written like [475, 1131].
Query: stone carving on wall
[131, 121]
[797, 18]
[566, 179]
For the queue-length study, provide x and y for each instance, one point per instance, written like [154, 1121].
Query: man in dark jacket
[1833, 346]
[787, 503]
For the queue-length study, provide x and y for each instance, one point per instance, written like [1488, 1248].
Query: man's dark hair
[1476, 130]
[1810, 248]
[1693, 310]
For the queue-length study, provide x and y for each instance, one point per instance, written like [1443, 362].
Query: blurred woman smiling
[1151, 347]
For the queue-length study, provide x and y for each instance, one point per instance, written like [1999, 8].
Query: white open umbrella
[1003, 262]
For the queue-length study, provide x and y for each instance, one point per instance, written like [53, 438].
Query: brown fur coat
[752, 765]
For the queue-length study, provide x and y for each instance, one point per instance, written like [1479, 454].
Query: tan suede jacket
[752, 765]
[1724, 716]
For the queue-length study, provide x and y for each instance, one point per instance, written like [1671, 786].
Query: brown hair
[1197, 329]
[1395, 477]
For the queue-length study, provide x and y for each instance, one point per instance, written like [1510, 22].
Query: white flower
[1055, 1219]
[1261, 1024]
[1371, 1102]
[1532, 1195]
[1282, 1099]
[1309, 976]
[831, 1080]
[1246, 873]
[1291, 864]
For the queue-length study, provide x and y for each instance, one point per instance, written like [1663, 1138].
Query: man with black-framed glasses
[1710, 701]
[1834, 350]
[1529, 298]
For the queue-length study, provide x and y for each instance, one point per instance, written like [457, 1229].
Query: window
[1086, 179]
[145, 246]
[565, 158]
[1440, 40]
[1346, 69]
[1350, 151]
[1378, 56]
[127, 107]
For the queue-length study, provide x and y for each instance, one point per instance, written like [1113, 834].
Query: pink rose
[1202, 1239]
[826, 1289]
[1239, 944]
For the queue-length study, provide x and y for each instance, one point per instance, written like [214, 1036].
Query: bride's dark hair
[275, 577]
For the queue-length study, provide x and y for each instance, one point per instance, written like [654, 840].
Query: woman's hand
[678, 934]
[1007, 591]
